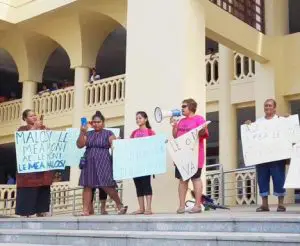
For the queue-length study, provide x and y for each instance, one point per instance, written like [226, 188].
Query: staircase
[209, 228]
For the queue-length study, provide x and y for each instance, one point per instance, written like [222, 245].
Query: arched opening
[10, 88]
[111, 58]
[57, 70]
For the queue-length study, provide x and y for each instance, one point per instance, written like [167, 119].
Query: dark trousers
[32, 200]
[143, 186]
[276, 170]
[102, 194]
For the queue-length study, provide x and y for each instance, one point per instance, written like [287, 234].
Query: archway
[57, 70]
[10, 88]
[111, 58]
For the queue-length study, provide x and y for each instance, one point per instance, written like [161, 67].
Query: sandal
[137, 212]
[262, 209]
[281, 208]
[104, 213]
[84, 214]
[180, 211]
[123, 210]
[195, 210]
[148, 212]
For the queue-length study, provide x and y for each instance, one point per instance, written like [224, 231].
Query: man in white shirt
[274, 169]
[94, 76]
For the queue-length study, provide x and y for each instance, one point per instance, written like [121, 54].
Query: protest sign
[73, 152]
[292, 179]
[269, 140]
[39, 151]
[184, 151]
[139, 157]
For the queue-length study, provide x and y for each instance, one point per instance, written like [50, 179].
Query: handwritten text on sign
[292, 180]
[184, 151]
[139, 157]
[269, 140]
[39, 151]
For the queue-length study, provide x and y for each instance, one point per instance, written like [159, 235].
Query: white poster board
[269, 140]
[292, 180]
[184, 152]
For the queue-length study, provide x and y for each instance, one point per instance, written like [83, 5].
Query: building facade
[229, 55]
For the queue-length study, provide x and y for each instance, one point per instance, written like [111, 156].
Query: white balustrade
[10, 110]
[212, 70]
[244, 67]
[54, 102]
[246, 191]
[105, 91]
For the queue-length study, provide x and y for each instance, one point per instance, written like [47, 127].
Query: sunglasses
[184, 106]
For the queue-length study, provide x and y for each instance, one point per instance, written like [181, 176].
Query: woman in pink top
[191, 121]
[143, 184]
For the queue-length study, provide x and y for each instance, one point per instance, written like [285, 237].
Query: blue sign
[139, 157]
[73, 153]
[39, 151]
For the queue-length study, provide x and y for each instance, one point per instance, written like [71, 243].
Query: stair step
[26, 244]
[149, 238]
[185, 223]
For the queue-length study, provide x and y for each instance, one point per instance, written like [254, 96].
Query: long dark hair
[99, 115]
[145, 116]
[25, 114]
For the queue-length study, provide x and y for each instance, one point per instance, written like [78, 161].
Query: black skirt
[32, 200]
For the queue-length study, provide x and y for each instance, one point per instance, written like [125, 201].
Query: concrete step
[150, 238]
[287, 223]
[26, 244]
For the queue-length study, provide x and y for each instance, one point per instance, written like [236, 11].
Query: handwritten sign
[139, 157]
[269, 140]
[292, 180]
[184, 151]
[73, 153]
[39, 151]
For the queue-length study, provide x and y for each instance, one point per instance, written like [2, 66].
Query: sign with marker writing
[39, 151]
[269, 140]
[73, 152]
[292, 180]
[139, 157]
[184, 151]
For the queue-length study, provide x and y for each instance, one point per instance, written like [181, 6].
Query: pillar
[165, 63]
[81, 77]
[227, 122]
[270, 77]
[28, 91]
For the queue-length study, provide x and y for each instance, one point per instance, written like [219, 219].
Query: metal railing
[63, 201]
[234, 187]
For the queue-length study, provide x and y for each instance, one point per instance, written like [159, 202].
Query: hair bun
[98, 113]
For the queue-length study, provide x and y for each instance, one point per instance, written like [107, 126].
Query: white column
[81, 78]
[269, 82]
[227, 121]
[165, 64]
[28, 91]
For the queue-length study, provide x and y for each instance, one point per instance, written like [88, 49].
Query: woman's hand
[202, 132]
[248, 122]
[37, 125]
[84, 129]
[173, 122]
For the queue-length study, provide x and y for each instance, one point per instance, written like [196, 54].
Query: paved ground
[293, 212]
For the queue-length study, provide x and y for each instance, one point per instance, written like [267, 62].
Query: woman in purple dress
[97, 172]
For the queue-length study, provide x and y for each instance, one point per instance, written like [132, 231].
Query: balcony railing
[10, 110]
[251, 12]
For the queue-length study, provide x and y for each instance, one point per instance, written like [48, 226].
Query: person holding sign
[97, 172]
[274, 169]
[143, 184]
[189, 122]
[33, 189]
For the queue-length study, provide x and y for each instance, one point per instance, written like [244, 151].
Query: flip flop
[137, 212]
[180, 211]
[148, 212]
[195, 210]
[123, 210]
